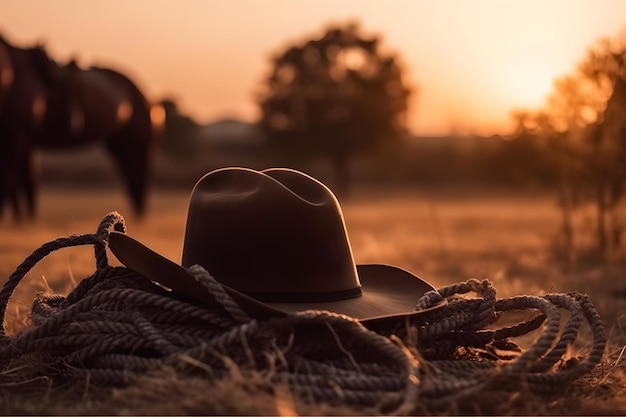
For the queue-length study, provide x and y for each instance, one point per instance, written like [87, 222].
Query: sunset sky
[472, 61]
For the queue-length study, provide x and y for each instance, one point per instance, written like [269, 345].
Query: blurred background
[463, 138]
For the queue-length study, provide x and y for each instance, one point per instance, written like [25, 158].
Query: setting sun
[530, 84]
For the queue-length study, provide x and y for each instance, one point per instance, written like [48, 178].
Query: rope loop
[112, 221]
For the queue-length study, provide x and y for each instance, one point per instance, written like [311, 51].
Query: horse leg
[9, 189]
[28, 184]
[133, 159]
[21, 184]
[10, 192]
[3, 189]
[3, 196]
[15, 204]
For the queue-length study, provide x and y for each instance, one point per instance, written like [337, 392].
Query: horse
[101, 104]
[25, 78]
[73, 107]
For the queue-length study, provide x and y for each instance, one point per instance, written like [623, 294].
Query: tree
[585, 128]
[334, 96]
[605, 68]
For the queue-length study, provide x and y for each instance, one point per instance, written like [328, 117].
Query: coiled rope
[116, 326]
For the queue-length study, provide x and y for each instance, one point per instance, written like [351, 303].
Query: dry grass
[444, 237]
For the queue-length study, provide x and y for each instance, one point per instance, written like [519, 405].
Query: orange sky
[473, 61]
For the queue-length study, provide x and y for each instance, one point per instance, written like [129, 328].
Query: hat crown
[278, 235]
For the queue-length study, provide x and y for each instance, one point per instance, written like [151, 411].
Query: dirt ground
[444, 236]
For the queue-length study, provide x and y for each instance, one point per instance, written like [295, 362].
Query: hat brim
[388, 292]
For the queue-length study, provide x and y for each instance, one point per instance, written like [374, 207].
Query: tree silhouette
[335, 96]
[585, 126]
[606, 143]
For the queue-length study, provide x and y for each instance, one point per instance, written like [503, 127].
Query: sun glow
[530, 84]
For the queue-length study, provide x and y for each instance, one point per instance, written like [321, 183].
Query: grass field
[444, 236]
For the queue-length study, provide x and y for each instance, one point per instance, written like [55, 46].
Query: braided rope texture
[116, 326]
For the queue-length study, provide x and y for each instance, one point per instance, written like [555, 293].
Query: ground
[444, 236]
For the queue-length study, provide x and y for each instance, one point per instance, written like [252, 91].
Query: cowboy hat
[277, 242]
